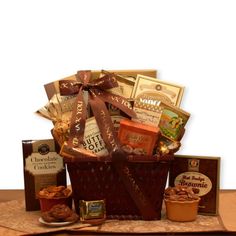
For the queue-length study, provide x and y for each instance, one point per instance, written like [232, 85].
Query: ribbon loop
[84, 77]
[69, 87]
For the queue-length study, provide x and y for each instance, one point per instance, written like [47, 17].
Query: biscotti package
[43, 166]
[202, 174]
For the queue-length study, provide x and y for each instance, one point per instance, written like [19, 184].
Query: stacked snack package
[96, 113]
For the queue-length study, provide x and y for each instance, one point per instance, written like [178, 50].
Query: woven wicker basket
[96, 180]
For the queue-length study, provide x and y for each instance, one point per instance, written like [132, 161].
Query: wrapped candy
[58, 110]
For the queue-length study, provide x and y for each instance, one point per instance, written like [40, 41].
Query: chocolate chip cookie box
[43, 166]
[202, 173]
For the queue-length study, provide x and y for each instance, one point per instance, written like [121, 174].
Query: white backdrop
[192, 43]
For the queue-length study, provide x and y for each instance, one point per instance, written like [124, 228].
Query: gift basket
[118, 133]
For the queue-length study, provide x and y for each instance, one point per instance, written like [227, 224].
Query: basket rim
[130, 158]
[183, 202]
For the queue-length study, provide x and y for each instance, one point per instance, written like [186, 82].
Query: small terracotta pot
[47, 203]
[182, 211]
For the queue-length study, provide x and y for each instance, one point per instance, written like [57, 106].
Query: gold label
[196, 180]
[193, 164]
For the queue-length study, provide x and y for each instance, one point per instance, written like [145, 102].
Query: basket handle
[142, 202]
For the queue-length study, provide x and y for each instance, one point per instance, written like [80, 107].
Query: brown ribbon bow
[97, 96]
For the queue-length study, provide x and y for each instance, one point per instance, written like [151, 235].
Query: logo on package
[43, 149]
[193, 165]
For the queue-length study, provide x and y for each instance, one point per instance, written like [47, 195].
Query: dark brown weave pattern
[99, 180]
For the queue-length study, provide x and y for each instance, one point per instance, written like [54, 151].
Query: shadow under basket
[100, 180]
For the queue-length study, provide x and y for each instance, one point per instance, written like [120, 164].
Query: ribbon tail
[78, 120]
[104, 123]
[117, 101]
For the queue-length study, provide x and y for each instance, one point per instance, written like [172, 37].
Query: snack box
[202, 173]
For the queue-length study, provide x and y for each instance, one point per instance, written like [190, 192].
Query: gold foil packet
[166, 146]
[90, 210]
[61, 131]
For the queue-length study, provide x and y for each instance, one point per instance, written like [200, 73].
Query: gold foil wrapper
[166, 146]
[61, 131]
[90, 210]
[59, 110]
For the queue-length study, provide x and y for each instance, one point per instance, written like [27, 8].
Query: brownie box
[202, 173]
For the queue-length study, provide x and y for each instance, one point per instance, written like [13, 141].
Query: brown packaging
[202, 174]
[43, 166]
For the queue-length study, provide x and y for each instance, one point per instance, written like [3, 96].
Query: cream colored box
[162, 91]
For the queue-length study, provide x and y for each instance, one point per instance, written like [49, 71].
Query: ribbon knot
[95, 91]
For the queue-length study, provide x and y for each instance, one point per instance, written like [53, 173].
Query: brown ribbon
[97, 96]
[139, 197]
